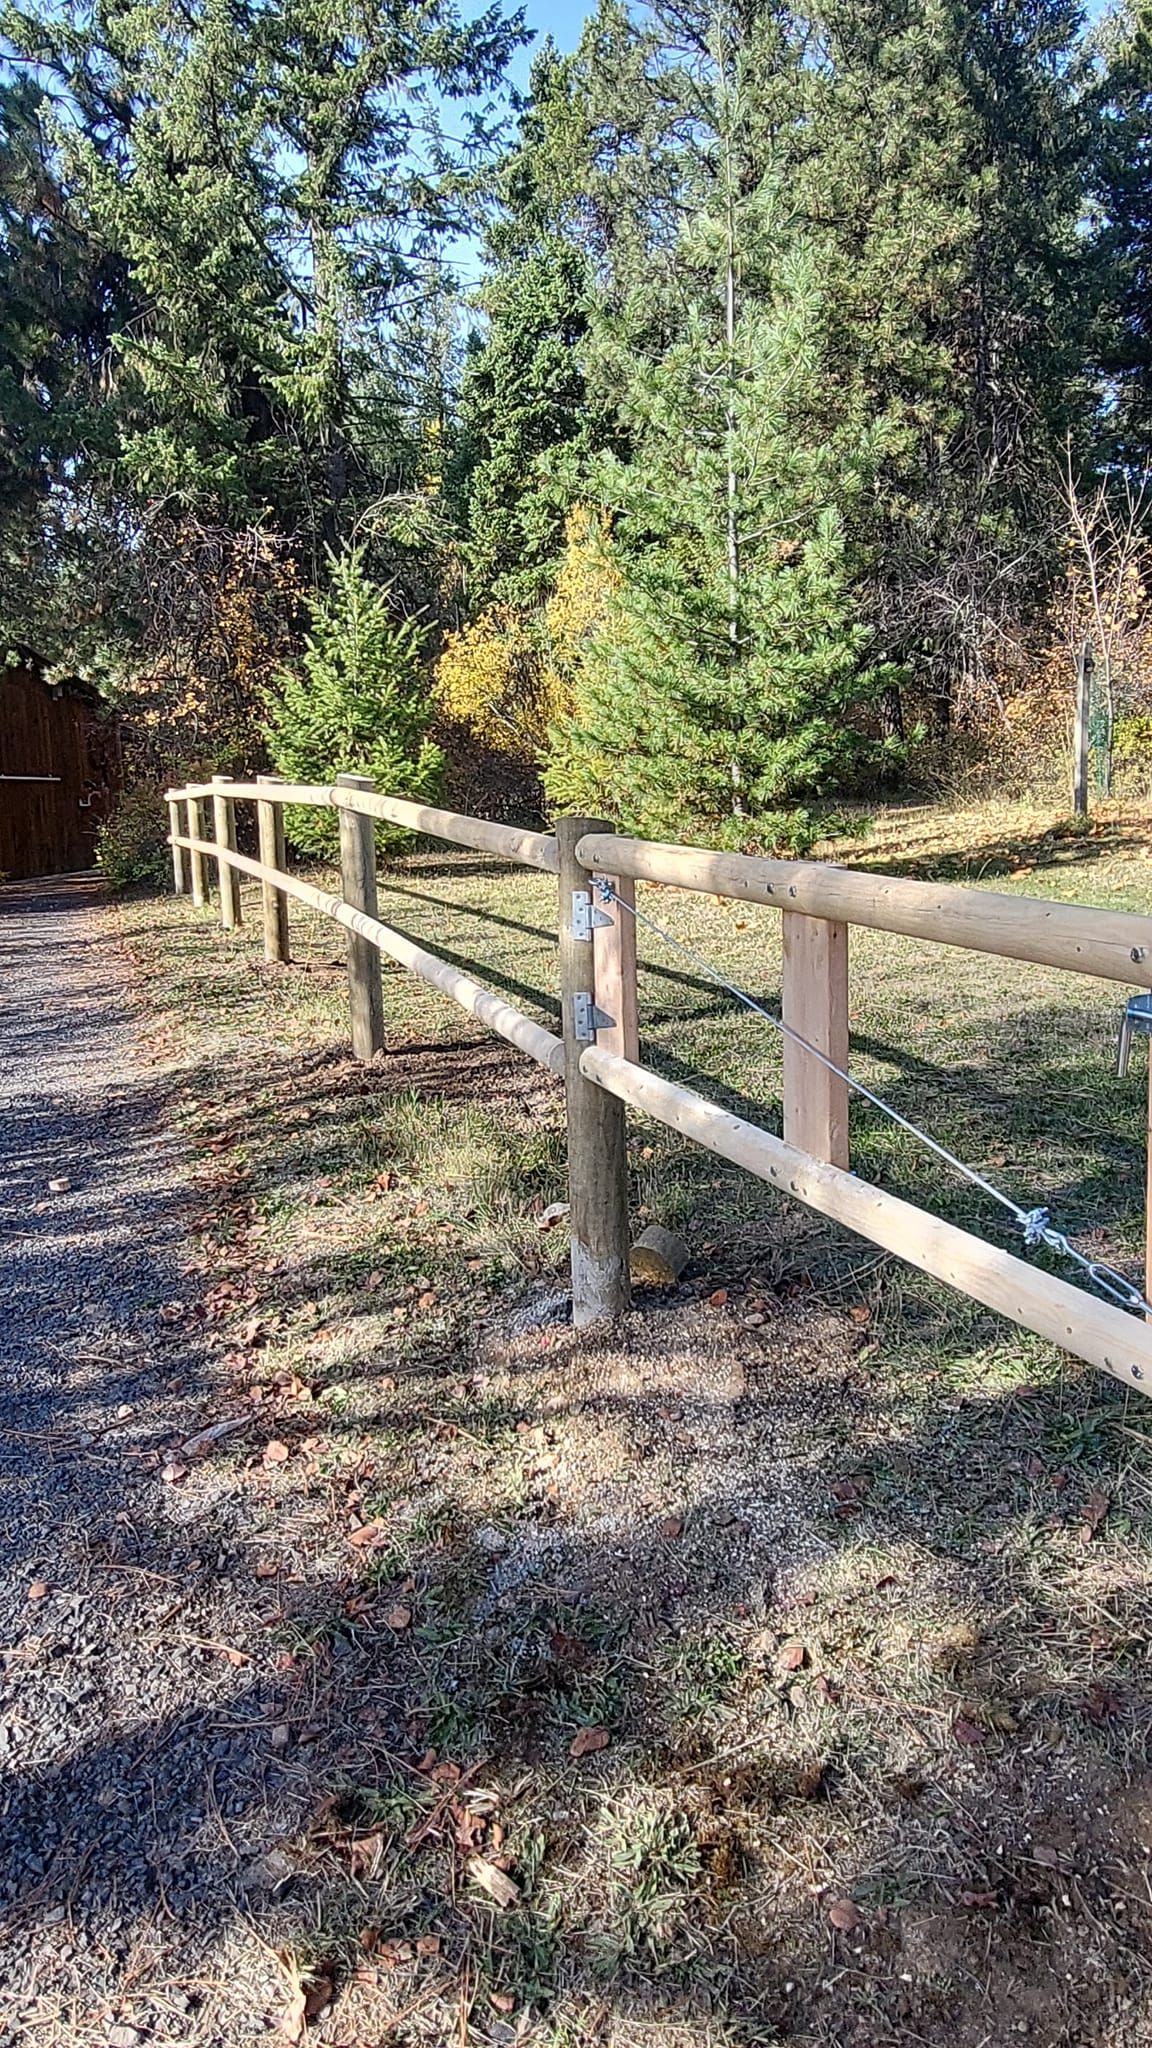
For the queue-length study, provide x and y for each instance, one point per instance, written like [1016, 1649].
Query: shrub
[357, 704]
[131, 845]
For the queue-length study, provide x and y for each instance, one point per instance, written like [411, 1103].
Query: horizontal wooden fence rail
[1114, 944]
[489, 1008]
[598, 1053]
[1095, 1331]
[483, 835]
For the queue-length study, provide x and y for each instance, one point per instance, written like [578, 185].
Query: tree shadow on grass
[1000, 854]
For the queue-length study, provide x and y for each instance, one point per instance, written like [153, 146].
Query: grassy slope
[895, 1651]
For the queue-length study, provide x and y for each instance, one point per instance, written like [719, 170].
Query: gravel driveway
[136, 1777]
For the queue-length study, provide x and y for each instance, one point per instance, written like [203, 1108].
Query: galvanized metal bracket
[1137, 1018]
[585, 917]
[587, 1020]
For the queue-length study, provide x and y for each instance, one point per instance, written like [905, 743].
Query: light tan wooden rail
[1093, 1330]
[483, 835]
[489, 1008]
[1114, 944]
[598, 1051]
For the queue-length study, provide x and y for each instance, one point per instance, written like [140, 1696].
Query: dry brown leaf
[39, 1589]
[428, 1945]
[845, 1916]
[502, 2001]
[719, 1299]
[497, 1883]
[793, 1656]
[966, 1731]
[318, 1994]
[276, 1453]
[672, 1526]
[399, 1617]
[368, 1532]
[1095, 1509]
[587, 1741]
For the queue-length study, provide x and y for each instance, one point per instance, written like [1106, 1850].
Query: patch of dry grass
[853, 1578]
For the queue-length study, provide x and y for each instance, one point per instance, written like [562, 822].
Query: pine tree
[357, 703]
[527, 425]
[1123, 192]
[727, 683]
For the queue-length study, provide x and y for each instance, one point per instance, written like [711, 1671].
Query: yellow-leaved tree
[509, 675]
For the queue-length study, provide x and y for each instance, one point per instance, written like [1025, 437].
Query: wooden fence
[598, 1057]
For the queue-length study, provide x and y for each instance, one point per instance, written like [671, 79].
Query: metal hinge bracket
[585, 917]
[587, 1020]
[1137, 1018]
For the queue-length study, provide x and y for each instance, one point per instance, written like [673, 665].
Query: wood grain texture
[815, 1004]
[1114, 944]
[597, 1146]
[358, 883]
[224, 818]
[274, 854]
[1089, 1328]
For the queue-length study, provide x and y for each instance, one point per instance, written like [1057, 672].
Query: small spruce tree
[359, 703]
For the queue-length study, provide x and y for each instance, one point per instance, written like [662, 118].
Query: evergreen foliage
[356, 704]
[805, 315]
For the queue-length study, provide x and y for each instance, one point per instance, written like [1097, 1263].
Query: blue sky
[560, 19]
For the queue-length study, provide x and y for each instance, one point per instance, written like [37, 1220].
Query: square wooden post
[196, 861]
[816, 1005]
[597, 1141]
[614, 962]
[224, 812]
[358, 884]
[273, 854]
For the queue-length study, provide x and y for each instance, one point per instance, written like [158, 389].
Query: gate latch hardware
[587, 1020]
[585, 917]
[1137, 1018]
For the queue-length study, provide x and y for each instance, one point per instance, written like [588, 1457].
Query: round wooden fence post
[597, 1145]
[358, 884]
[196, 860]
[224, 810]
[274, 854]
[179, 873]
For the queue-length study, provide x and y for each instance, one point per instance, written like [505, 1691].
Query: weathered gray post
[224, 810]
[597, 1146]
[358, 882]
[273, 854]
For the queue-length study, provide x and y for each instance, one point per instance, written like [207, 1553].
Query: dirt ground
[776, 1671]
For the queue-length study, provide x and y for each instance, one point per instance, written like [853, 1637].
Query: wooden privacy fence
[598, 1055]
